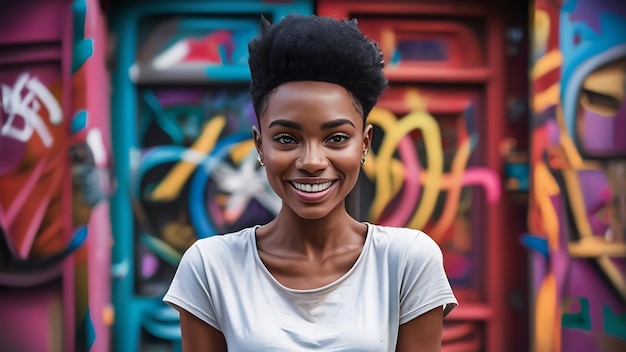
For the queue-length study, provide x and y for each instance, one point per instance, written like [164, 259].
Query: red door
[435, 163]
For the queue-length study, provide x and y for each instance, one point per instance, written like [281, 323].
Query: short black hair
[315, 48]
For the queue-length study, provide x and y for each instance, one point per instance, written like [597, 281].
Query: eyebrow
[325, 125]
[337, 123]
[285, 123]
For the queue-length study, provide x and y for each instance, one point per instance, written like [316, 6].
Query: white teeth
[311, 188]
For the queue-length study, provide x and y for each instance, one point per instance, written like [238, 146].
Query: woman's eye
[284, 139]
[339, 138]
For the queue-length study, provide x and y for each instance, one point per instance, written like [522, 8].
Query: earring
[260, 161]
[364, 157]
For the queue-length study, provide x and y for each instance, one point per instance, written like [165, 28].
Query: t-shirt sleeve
[190, 288]
[425, 284]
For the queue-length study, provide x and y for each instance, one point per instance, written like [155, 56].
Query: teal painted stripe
[83, 48]
[80, 235]
[79, 121]
[226, 73]
[580, 320]
[614, 324]
[79, 9]
[85, 333]
[537, 244]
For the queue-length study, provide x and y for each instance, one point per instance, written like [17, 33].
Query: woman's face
[312, 139]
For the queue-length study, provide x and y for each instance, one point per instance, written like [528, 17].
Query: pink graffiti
[411, 192]
[413, 180]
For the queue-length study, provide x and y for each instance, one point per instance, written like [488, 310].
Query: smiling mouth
[312, 187]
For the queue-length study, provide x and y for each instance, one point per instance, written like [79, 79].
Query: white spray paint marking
[27, 107]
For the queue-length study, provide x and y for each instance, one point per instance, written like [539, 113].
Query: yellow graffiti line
[550, 61]
[394, 132]
[396, 171]
[434, 155]
[383, 192]
[432, 139]
[577, 202]
[571, 153]
[386, 121]
[454, 190]
[596, 246]
[173, 182]
[546, 98]
[241, 150]
[544, 186]
[541, 31]
[547, 316]
[386, 183]
[614, 274]
[575, 160]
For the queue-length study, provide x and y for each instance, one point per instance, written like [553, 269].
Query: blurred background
[125, 135]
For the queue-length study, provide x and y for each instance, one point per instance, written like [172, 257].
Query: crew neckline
[327, 287]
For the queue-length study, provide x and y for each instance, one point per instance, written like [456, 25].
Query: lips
[313, 192]
[312, 187]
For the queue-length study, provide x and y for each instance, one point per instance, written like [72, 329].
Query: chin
[312, 215]
[316, 212]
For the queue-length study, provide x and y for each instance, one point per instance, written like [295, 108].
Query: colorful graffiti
[187, 162]
[423, 176]
[197, 176]
[417, 186]
[183, 148]
[206, 185]
[577, 237]
[198, 154]
[53, 182]
[428, 167]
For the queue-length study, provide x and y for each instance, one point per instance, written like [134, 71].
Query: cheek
[350, 158]
[276, 165]
[276, 158]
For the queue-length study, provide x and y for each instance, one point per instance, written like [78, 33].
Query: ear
[367, 137]
[256, 133]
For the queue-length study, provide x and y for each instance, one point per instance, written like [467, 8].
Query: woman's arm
[198, 335]
[423, 333]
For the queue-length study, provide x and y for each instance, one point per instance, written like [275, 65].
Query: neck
[314, 237]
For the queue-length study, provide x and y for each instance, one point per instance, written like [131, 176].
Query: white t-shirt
[398, 276]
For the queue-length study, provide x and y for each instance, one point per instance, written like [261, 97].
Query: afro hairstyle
[315, 48]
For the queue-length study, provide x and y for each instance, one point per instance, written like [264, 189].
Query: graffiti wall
[53, 178]
[185, 158]
[182, 120]
[576, 220]
[434, 128]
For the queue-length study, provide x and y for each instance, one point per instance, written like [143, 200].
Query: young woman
[314, 278]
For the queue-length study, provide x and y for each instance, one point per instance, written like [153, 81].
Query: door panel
[187, 165]
[432, 166]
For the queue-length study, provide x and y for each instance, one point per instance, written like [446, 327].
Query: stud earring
[260, 161]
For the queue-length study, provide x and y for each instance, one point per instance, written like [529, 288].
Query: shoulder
[221, 247]
[405, 244]
[230, 240]
[403, 237]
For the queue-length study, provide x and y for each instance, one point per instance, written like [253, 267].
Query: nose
[312, 159]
